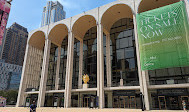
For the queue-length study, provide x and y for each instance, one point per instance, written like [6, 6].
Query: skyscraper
[52, 12]
[15, 44]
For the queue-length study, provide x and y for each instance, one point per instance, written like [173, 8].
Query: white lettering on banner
[154, 25]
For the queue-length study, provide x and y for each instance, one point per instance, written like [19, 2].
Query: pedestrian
[33, 107]
[184, 105]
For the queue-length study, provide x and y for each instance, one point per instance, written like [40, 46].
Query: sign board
[163, 35]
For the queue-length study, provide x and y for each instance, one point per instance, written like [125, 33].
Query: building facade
[10, 75]
[15, 44]
[52, 12]
[102, 43]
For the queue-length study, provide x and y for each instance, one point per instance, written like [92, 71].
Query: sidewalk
[48, 109]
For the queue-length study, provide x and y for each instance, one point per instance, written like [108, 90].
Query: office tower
[52, 12]
[10, 75]
[15, 44]
[4, 12]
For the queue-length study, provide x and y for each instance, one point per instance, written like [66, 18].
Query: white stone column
[187, 8]
[20, 98]
[69, 71]
[145, 87]
[110, 99]
[44, 73]
[108, 61]
[100, 66]
[80, 66]
[58, 69]
[141, 74]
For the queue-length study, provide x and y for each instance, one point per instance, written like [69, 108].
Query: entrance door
[121, 102]
[124, 102]
[132, 102]
[28, 102]
[115, 102]
[86, 101]
[173, 103]
[162, 102]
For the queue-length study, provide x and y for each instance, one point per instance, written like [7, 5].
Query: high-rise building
[15, 44]
[4, 12]
[52, 12]
[10, 75]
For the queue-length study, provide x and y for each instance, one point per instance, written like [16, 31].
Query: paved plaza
[24, 109]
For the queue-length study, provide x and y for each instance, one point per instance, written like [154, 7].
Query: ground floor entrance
[122, 99]
[54, 100]
[124, 102]
[169, 99]
[30, 98]
[84, 99]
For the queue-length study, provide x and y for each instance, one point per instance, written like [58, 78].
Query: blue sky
[28, 13]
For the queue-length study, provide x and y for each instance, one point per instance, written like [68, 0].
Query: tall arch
[146, 5]
[117, 11]
[37, 40]
[82, 25]
[58, 33]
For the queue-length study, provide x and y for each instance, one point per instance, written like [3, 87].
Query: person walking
[184, 105]
[33, 107]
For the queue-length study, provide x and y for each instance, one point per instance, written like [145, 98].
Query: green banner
[163, 37]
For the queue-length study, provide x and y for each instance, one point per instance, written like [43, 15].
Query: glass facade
[177, 75]
[63, 61]
[123, 53]
[76, 64]
[169, 99]
[90, 56]
[52, 67]
[54, 100]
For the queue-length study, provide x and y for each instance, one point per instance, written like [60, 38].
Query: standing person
[184, 105]
[33, 107]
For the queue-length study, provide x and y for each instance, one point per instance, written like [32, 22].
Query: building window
[177, 75]
[52, 67]
[90, 56]
[76, 64]
[63, 61]
[123, 53]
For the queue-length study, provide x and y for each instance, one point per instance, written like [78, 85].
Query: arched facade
[102, 43]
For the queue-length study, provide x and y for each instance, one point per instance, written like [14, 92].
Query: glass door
[132, 102]
[28, 102]
[124, 102]
[162, 102]
[86, 101]
[173, 103]
[115, 102]
[121, 102]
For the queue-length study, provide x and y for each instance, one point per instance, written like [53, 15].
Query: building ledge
[123, 88]
[83, 90]
[186, 85]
